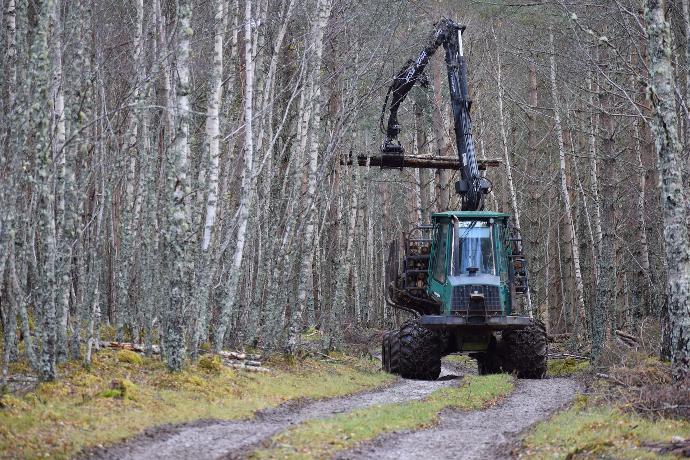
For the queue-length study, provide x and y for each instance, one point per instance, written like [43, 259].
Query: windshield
[475, 249]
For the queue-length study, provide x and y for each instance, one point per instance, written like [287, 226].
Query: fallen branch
[247, 368]
[611, 379]
[567, 355]
[137, 347]
[627, 339]
[238, 355]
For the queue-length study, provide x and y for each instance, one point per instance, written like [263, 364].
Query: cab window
[440, 251]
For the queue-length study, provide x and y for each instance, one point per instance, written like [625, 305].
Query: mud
[484, 434]
[209, 439]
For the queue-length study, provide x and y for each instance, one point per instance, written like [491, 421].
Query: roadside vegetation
[124, 393]
[322, 438]
[629, 411]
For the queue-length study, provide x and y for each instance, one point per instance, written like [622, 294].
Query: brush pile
[233, 359]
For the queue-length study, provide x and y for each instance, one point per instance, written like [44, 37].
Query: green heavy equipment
[463, 275]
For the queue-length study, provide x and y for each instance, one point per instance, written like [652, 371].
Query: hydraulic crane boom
[472, 186]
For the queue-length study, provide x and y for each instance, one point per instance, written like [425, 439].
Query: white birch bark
[41, 70]
[7, 195]
[323, 14]
[574, 242]
[212, 151]
[665, 128]
[179, 223]
[63, 176]
[248, 179]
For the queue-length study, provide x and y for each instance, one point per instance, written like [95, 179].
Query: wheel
[525, 351]
[394, 353]
[385, 352]
[489, 362]
[420, 352]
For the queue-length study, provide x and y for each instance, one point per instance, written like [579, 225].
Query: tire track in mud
[482, 434]
[212, 439]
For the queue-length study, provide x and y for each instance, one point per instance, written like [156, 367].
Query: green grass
[566, 367]
[599, 431]
[459, 359]
[116, 399]
[324, 437]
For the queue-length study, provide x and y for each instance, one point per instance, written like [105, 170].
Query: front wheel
[525, 351]
[420, 352]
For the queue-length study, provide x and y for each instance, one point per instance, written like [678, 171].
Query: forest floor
[335, 407]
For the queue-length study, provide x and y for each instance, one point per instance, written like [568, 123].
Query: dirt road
[476, 434]
[481, 432]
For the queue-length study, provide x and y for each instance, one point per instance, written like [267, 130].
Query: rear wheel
[489, 362]
[525, 351]
[420, 352]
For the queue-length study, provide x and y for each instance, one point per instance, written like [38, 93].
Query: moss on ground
[589, 430]
[322, 438]
[115, 399]
[130, 357]
[566, 367]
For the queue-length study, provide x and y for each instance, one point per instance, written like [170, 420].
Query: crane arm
[472, 187]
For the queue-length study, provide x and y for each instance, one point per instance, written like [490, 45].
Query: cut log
[139, 348]
[238, 355]
[415, 161]
[247, 368]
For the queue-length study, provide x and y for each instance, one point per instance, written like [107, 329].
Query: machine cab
[468, 267]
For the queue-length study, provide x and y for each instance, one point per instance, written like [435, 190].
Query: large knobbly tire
[489, 362]
[420, 352]
[524, 351]
[385, 352]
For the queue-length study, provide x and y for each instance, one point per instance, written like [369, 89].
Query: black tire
[489, 362]
[385, 352]
[525, 351]
[420, 352]
[394, 354]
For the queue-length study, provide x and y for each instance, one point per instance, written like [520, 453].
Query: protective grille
[460, 303]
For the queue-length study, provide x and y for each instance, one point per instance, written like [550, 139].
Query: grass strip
[599, 431]
[119, 397]
[565, 367]
[323, 438]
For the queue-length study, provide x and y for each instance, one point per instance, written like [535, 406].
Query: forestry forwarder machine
[461, 275]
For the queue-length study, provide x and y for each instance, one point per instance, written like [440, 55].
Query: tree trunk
[179, 224]
[665, 128]
[324, 13]
[247, 192]
[571, 234]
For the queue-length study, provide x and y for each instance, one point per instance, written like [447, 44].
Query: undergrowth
[589, 430]
[322, 438]
[118, 398]
[629, 407]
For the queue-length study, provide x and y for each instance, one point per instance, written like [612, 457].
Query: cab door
[438, 266]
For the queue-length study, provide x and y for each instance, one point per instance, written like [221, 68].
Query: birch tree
[570, 225]
[248, 180]
[665, 128]
[179, 225]
[323, 13]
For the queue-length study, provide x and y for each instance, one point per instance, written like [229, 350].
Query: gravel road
[478, 434]
[209, 439]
